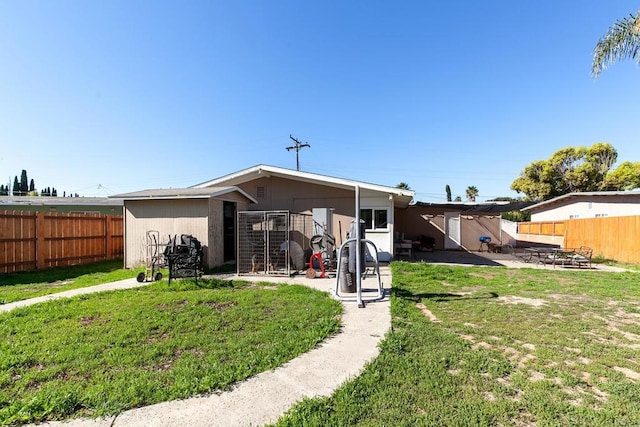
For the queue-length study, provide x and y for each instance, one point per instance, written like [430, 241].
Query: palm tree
[403, 186]
[472, 192]
[622, 41]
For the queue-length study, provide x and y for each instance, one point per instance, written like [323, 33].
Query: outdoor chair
[582, 257]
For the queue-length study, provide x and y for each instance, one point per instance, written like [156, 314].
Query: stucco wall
[429, 221]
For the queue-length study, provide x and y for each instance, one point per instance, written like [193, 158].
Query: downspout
[358, 252]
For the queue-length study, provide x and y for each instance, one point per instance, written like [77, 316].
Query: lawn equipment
[154, 260]
[184, 257]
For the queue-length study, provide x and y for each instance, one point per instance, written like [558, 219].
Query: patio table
[539, 254]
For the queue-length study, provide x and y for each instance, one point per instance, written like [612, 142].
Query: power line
[298, 145]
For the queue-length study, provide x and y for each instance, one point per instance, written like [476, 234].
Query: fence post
[108, 244]
[41, 247]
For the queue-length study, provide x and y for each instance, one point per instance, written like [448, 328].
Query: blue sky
[105, 97]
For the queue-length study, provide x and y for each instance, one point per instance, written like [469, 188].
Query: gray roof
[183, 193]
[58, 201]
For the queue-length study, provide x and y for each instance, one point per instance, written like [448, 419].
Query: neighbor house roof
[566, 198]
[58, 201]
[102, 205]
[184, 193]
[401, 197]
[490, 207]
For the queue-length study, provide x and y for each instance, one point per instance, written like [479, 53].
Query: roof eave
[251, 173]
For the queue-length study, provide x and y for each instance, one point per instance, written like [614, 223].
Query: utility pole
[298, 145]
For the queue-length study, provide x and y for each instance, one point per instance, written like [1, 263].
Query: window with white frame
[375, 219]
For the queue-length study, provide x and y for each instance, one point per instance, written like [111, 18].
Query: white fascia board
[253, 172]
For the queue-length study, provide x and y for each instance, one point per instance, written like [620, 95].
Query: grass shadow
[190, 284]
[440, 297]
[459, 258]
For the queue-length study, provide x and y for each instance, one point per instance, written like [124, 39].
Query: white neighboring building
[594, 204]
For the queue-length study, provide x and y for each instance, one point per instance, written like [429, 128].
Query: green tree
[403, 186]
[32, 186]
[505, 199]
[571, 169]
[16, 187]
[625, 177]
[516, 216]
[447, 189]
[458, 199]
[471, 193]
[24, 183]
[621, 41]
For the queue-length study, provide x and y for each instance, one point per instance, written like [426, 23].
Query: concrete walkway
[121, 284]
[265, 397]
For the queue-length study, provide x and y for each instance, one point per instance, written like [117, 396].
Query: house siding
[578, 207]
[169, 217]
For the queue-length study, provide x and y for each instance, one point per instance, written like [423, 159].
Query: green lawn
[478, 346]
[103, 353]
[31, 284]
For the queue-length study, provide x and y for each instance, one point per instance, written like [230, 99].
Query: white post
[358, 251]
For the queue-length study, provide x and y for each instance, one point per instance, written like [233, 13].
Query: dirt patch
[525, 360]
[164, 306]
[469, 338]
[627, 318]
[489, 396]
[265, 287]
[157, 338]
[534, 302]
[571, 299]
[488, 275]
[90, 320]
[59, 283]
[483, 344]
[428, 314]
[631, 374]
[584, 360]
[219, 305]
[536, 376]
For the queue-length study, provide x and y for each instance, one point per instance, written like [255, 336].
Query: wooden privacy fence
[542, 228]
[39, 240]
[616, 238]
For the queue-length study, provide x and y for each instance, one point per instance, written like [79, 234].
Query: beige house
[208, 214]
[298, 192]
[596, 204]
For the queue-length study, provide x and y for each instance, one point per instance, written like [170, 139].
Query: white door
[452, 230]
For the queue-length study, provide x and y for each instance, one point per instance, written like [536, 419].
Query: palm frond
[622, 41]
